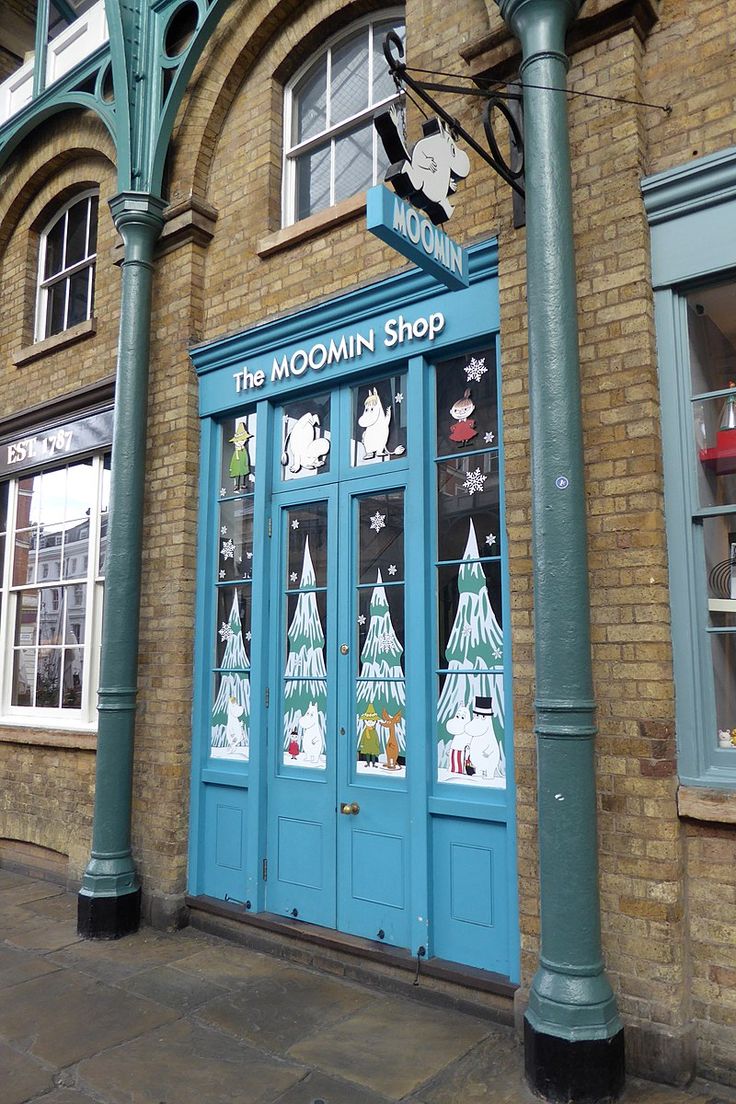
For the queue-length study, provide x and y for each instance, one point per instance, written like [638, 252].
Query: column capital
[540, 25]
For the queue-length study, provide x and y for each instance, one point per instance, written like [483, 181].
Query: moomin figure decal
[305, 679]
[470, 711]
[375, 421]
[305, 449]
[231, 711]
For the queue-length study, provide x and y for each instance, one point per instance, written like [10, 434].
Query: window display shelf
[722, 605]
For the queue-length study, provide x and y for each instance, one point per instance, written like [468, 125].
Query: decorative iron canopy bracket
[508, 104]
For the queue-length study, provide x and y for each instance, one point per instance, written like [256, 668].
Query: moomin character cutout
[304, 448]
[239, 469]
[312, 737]
[463, 429]
[234, 729]
[375, 421]
[485, 750]
[456, 727]
[428, 175]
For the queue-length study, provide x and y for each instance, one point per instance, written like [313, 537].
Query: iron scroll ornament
[505, 102]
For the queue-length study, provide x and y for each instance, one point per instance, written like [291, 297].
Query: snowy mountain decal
[231, 711]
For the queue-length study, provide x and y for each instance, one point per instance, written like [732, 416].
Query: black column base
[108, 917]
[589, 1071]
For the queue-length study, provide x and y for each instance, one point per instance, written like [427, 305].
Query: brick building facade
[226, 264]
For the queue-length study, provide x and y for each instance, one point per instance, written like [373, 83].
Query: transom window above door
[331, 149]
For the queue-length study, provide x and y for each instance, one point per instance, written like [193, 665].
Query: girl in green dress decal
[369, 745]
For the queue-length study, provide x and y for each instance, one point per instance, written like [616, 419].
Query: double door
[341, 741]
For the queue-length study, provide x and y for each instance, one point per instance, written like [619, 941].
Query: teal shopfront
[353, 729]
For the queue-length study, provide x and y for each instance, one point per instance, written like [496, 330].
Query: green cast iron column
[573, 1036]
[109, 900]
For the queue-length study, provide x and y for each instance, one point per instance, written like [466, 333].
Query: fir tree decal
[380, 664]
[475, 644]
[231, 710]
[305, 691]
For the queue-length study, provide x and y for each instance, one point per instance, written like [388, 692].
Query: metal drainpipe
[109, 900]
[574, 1046]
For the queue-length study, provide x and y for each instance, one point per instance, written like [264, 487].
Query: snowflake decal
[496, 653]
[475, 369]
[248, 636]
[295, 523]
[378, 522]
[474, 481]
[361, 619]
[386, 642]
[466, 632]
[491, 539]
[398, 398]
[222, 573]
[249, 555]
[392, 569]
[228, 550]
[223, 531]
[225, 632]
[292, 577]
[223, 492]
[488, 438]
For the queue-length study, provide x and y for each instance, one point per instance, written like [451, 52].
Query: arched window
[66, 267]
[331, 150]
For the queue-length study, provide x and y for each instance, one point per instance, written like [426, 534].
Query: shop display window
[53, 532]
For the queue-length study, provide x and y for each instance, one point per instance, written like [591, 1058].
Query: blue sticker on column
[562, 482]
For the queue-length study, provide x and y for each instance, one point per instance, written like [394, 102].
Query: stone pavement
[186, 1018]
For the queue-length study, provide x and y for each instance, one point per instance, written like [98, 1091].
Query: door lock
[344, 648]
[348, 808]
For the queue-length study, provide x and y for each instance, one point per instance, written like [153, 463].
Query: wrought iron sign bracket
[509, 104]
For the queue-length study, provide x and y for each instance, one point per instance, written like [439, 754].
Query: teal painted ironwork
[570, 995]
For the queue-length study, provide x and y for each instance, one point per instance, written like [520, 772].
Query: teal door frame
[230, 381]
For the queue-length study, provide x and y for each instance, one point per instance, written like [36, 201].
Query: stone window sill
[313, 226]
[53, 344]
[76, 740]
[717, 806]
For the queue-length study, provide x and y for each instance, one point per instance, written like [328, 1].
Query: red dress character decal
[464, 428]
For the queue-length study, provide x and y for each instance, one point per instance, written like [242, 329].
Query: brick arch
[26, 191]
[240, 40]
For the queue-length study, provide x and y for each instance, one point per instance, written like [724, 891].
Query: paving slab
[45, 935]
[172, 987]
[229, 966]
[116, 959]
[319, 1088]
[17, 965]
[392, 1046]
[8, 879]
[62, 1096]
[185, 1063]
[62, 907]
[28, 890]
[21, 1077]
[490, 1073]
[65, 1016]
[276, 1012]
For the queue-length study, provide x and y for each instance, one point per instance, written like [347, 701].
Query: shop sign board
[413, 234]
[58, 443]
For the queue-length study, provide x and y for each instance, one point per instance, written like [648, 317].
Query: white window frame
[330, 133]
[84, 718]
[43, 285]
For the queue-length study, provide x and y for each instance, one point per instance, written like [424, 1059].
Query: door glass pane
[468, 519]
[237, 474]
[354, 161]
[381, 728]
[470, 631]
[381, 537]
[305, 437]
[230, 729]
[306, 534]
[379, 421]
[305, 718]
[467, 403]
[235, 559]
[349, 84]
[470, 729]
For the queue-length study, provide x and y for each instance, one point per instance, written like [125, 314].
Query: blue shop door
[338, 849]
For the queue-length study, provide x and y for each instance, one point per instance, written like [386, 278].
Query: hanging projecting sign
[425, 178]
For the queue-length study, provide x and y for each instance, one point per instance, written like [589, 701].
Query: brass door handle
[349, 808]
